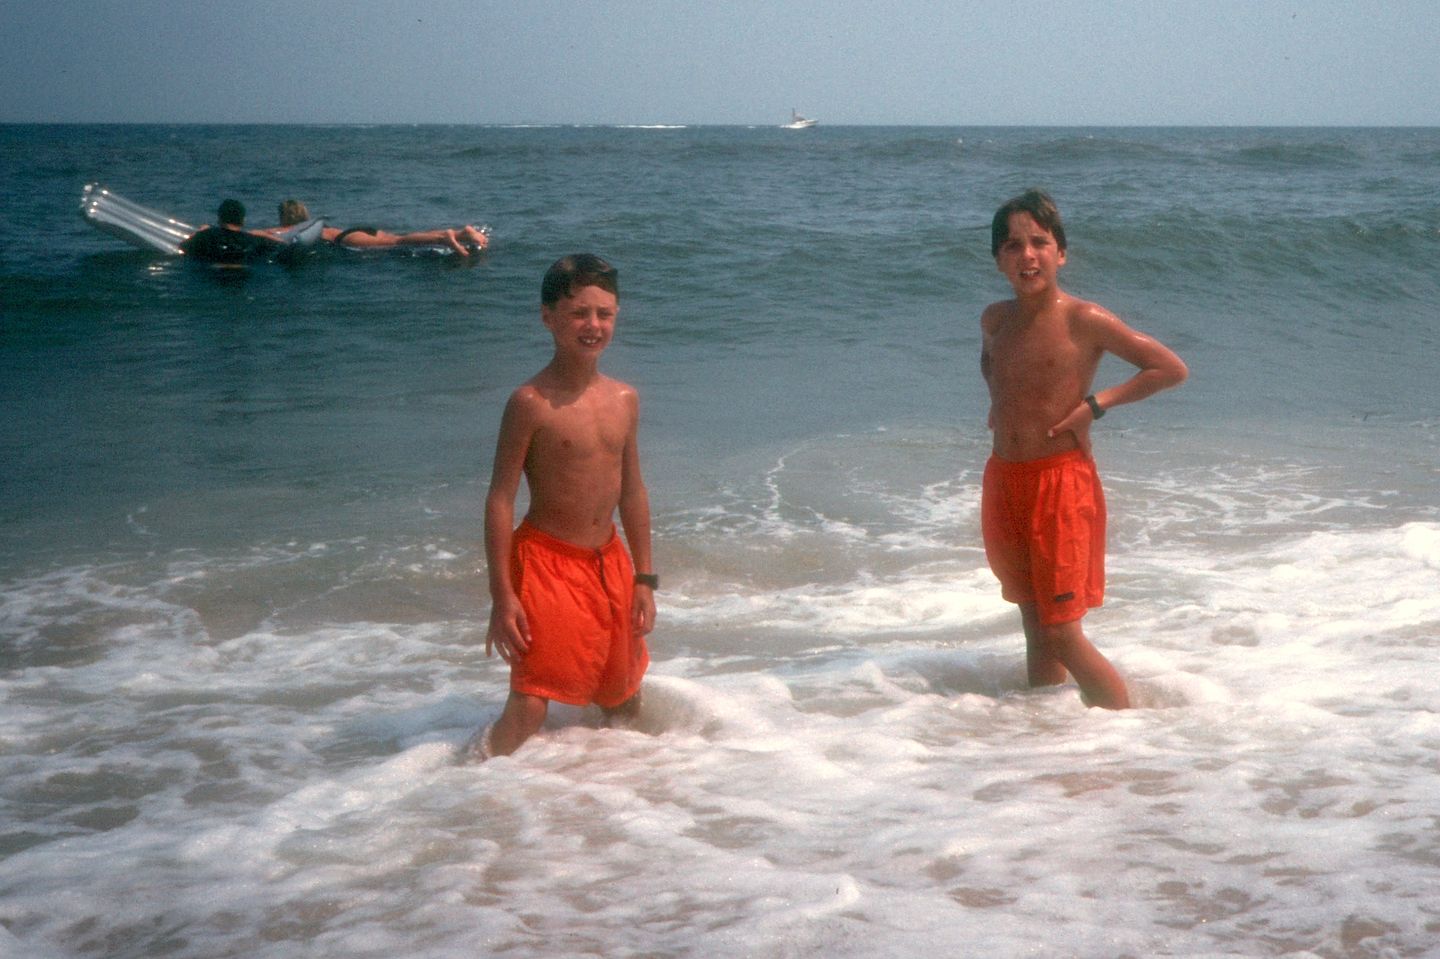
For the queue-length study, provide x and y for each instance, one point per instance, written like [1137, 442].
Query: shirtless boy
[1042, 509]
[569, 612]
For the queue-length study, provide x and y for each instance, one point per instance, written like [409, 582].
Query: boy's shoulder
[1066, 306]
[547, 389]
[1090, 316]
[995, 314]
[607, 388]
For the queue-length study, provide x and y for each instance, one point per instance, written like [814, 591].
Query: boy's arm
[508, 632]
[1159, 368]
[635, 520]
[989, 320]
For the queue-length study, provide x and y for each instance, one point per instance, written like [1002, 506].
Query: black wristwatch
[647, 579]
[1096, 410]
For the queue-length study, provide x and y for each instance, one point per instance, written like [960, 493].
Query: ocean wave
[913, 147]
[1291, 156]
[1065, 148]
[1227, 252]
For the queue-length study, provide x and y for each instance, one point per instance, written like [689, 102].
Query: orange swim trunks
[577, 602]
[1044, 527]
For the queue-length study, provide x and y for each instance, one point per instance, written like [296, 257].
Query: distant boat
[797, 122]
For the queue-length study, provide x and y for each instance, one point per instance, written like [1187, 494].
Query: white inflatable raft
[152, 230]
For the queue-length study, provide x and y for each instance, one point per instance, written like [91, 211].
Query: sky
[954, 63]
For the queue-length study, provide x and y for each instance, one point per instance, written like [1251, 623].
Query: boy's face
[582, 323]
[1030, 258]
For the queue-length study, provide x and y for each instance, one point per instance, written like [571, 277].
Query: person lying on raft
[462, 241]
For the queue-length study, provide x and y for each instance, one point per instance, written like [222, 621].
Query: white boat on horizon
[797, 122]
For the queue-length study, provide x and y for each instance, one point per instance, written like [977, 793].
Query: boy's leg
[1042, 667]
[1059, 647]
[626, 712]
[522, 718]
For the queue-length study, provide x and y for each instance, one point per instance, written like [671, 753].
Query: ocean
[243, 602]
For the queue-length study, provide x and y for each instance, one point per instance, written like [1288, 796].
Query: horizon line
[675, 125]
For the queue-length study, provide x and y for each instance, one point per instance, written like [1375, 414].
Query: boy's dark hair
[231, 211]
[570, 273]
[1038, 204]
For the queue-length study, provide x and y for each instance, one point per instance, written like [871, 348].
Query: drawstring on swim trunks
[600, 568]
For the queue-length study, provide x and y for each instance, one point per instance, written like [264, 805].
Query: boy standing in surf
[569, 611]
[1042, 508]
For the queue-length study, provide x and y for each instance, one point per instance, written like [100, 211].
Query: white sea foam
[255, 754]
[296, 790]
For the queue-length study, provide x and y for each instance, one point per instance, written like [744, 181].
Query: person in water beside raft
[569, 611]
[1042, 507]
[461, 241]
[229, 244]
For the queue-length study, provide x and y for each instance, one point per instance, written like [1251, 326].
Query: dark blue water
[775, 285]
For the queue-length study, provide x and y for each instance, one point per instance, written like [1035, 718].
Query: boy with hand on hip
[1042, 508]
[569, 612]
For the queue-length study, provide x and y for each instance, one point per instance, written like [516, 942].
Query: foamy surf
[858, 794]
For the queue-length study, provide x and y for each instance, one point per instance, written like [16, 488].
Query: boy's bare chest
[1021, 354]
[581, 431]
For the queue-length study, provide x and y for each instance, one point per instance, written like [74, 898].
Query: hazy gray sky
[1067, 62]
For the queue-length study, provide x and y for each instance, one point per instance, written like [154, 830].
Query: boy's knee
[1060, 635]
[522, 718]
[526, 710]
[624, 712]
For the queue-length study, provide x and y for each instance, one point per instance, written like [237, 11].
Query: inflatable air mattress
[152, 230]
[131, 222]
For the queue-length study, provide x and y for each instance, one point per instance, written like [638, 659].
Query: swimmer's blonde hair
[293, 212]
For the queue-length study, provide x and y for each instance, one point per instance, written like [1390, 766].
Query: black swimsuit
[340, 237]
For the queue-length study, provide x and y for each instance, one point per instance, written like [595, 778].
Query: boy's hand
[509, 633]
[642, 611]
[1078, 422]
